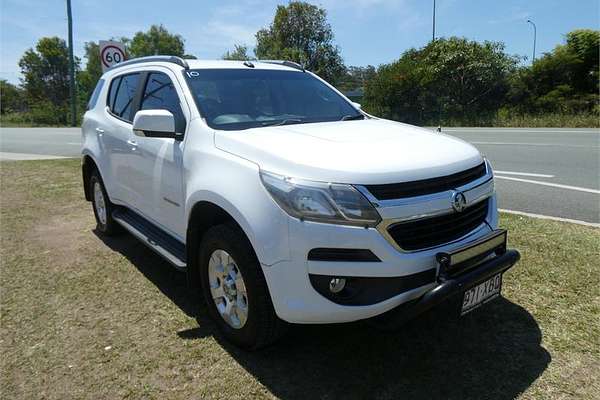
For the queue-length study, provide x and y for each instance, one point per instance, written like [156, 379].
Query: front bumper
[294, 296]
[450, 287]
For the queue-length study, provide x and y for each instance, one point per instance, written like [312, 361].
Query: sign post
[111, 53]
[71, 66]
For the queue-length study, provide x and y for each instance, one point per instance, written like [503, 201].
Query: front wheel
[235, 289]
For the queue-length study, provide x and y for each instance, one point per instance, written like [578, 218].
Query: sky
[368, 32]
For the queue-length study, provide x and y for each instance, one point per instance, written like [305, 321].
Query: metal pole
[71, 67]
[433, 35]
[534, 39]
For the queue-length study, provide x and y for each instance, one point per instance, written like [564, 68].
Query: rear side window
[121, 101]
[160, 94]
[95, 94]
[114, 85]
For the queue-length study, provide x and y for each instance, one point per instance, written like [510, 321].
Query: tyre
[102, 206]
[235, 289]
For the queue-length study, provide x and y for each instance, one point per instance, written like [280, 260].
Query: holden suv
[283, 201]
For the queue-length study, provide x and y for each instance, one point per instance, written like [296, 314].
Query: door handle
[132, 142]
[99, 131]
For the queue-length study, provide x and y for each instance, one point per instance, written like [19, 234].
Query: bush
[452, 79]
[44, 114]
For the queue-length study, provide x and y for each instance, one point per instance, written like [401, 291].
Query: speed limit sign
[111, 53]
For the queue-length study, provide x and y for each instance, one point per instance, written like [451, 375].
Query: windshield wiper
[352, 117]
[282, 122]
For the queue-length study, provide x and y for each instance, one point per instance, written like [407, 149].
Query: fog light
[336, 285]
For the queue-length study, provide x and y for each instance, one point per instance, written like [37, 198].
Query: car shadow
[494, 352]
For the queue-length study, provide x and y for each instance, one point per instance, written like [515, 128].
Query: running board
[152, 236]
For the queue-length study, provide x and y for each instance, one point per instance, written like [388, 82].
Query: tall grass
[583, 120]
[515, 120]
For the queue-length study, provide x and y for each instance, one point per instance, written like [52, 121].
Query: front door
[117, 136]
[157, 163]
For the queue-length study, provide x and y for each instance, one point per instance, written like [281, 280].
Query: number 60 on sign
[111, 53]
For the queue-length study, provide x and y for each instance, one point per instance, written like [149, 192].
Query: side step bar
[152, 236]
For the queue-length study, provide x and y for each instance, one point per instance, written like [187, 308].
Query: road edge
[548, 217]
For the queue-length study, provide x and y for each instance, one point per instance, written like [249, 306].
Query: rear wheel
[235, 289]
[102, 206]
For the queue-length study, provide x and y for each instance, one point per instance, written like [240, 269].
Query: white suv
[283, 201]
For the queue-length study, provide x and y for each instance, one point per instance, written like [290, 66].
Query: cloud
[516, 14]
[226, 26]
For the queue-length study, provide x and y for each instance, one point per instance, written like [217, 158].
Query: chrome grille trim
[429, 206]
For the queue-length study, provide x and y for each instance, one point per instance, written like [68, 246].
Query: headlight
[321, 202]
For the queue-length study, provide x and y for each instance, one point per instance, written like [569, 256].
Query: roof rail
[287, 63]
[171, 59]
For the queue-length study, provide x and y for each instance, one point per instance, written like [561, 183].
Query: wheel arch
[204, 215]
[88, 165]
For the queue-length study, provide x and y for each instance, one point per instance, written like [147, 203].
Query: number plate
[481, 294]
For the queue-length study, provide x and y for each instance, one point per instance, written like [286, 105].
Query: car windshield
[234, 99]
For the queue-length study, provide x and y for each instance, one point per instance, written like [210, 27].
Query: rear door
[157, 172]
[118, 135]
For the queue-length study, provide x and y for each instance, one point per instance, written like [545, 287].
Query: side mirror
[155, 123]
[356, 105]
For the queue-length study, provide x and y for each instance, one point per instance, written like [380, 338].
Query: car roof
[177, 63]
[231, 64]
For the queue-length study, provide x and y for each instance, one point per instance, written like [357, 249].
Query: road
[553, 172]
[64, 142]
[547, 171]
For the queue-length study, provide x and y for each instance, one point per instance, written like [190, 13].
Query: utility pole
[71, 67]
[433, 35]
[534, 39]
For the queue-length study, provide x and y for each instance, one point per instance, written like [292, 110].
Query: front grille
[434, 231]
[426, 186]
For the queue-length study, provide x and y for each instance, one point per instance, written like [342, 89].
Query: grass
[82, 316]
[20, 120]
[513, 120]
[29, 120]
[550, 120]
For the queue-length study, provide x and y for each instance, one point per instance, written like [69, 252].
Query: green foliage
[448, 78]
[157, 40]
[45, 112]
[88, 78]
[46, 78]
[356, 77]
[585, 44]
[11, 98]
[300, 32]
[240, 52]
[562, 81]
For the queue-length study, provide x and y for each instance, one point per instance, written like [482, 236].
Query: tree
[46, 79]
[564, 80]
[87, 79]
[450, 78]
[11, 97]
[300, 32]
[584, 44]
[157, 40]
[240, 52]
[356, 77]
